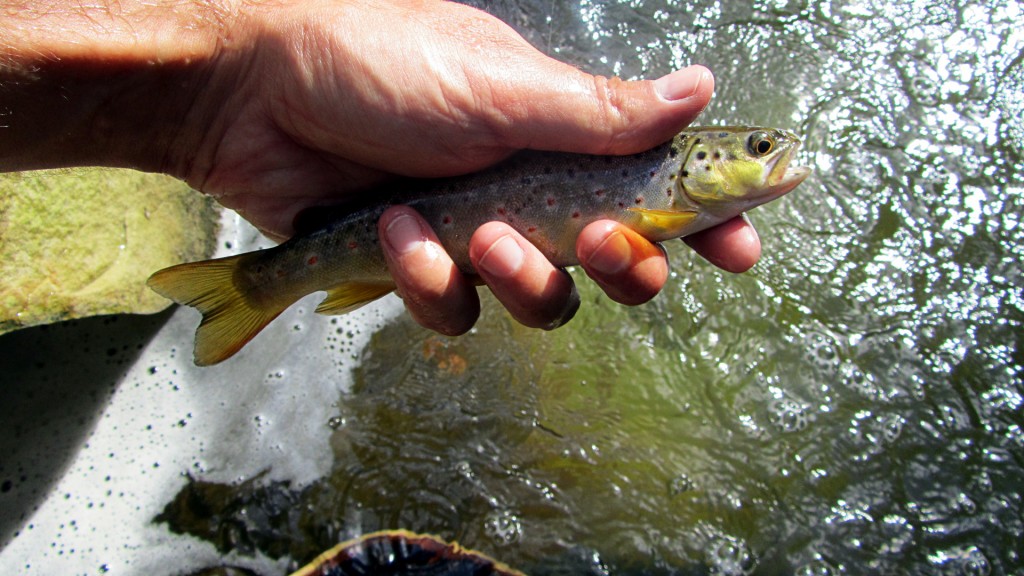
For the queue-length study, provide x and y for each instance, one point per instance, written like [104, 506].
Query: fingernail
[681, 83]
[404, 234]
[503, 259]
[572, 305]
[612, 256]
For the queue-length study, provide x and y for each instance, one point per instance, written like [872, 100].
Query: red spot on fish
[312, 260]
[531, 229]
[639, 199]
[599, 193]
[446, 220]
[353, 245]
[279, 272]
[551, 201]
[501, 211]
[622, 204]
[575, 214]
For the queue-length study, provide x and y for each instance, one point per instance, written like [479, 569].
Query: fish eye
[760, 143]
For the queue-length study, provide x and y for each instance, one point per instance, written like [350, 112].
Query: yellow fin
[348, 296]
[665, 219]
[230, 318]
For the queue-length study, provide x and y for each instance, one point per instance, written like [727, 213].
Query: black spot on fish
[570, 173]
[673, 152]
[547, 170]
[697, 141]
[723, 134]
[668, 192]
[717, 154]
[708, 167]
[654, 173]
[639, 200]
[684, 173]
[526, 180]
[702, 155]
[625, 173]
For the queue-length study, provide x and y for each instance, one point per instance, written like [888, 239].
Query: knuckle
[612, 111]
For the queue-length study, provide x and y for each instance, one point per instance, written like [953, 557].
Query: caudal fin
[230, 317]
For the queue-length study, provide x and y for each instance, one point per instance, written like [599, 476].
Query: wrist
[110, 86]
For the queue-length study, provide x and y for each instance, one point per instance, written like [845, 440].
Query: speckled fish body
[700, 178]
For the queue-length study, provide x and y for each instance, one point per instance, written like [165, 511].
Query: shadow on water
[57, 379]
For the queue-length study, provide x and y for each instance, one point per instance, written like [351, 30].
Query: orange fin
[348, 296]
[230, 317]
[665, 219]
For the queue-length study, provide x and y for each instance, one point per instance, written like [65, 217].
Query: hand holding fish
[276, 107]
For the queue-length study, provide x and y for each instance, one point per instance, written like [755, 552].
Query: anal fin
[348, 296]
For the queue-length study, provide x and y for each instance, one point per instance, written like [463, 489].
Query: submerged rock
[78, 243]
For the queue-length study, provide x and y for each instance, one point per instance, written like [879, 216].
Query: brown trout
[702, 177]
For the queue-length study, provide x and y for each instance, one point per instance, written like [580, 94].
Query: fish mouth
[780, 176]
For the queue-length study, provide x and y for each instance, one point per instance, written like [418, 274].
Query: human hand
[456, 91]
[303, 104]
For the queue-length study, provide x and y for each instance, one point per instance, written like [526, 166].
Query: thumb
[568, 110]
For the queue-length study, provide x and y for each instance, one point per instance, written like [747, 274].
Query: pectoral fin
[665, 219]
[351, 295]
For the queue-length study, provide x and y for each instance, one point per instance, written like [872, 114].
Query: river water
[852, 405]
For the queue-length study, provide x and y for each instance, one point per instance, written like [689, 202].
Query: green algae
[77, 243]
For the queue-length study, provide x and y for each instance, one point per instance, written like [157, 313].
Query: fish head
[733, 169]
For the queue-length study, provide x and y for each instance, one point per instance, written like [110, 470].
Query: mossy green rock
[77, 243]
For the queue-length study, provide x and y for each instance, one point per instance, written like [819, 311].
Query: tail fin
[230, 317]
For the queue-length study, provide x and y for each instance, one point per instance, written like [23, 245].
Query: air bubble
[788, 415]
[731, 557]
[503, 527]
[336, 422]
[892, 426]
[859, 381]
[680, 484]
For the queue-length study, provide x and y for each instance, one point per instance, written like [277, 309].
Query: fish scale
[700, 178]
